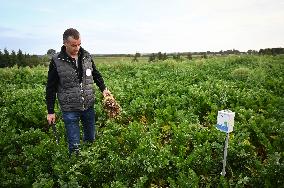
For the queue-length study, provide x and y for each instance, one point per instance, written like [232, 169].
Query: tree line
[188, 55]
[164, 56]
[19, 59]
[271, 51]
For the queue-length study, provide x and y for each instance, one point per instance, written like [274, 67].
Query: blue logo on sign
[223, 127]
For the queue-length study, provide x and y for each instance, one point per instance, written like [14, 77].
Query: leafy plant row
[166, 135]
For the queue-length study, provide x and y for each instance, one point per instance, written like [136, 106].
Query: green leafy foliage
[166, 135]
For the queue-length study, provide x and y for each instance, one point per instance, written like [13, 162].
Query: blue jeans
[71, 121]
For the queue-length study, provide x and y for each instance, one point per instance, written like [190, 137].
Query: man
[71, 75]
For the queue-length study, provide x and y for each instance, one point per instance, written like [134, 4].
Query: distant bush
[241, 73]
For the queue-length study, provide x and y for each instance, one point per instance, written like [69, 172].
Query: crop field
[166, 134]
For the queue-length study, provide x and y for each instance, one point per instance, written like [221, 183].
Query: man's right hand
[50, 118]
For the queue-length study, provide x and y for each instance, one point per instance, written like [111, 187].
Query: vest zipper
[82, 92]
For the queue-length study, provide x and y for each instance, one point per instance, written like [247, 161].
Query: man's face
[72, 46]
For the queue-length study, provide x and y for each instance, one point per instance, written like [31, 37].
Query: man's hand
[106, 92]
[50, 118]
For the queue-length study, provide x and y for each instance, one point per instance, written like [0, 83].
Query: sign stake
[223, 173]
[225, 123]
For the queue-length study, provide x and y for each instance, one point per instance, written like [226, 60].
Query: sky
[145, 26]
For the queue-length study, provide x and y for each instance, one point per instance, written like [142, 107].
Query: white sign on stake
[225, 123]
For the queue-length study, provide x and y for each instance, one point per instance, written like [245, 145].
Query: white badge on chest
[88, 72]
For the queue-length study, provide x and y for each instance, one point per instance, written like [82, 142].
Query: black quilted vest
[73, 95]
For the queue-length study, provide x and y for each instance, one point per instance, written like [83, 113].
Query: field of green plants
[166, 135]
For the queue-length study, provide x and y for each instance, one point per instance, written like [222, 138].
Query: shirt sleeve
[51, 87]
[98, 79]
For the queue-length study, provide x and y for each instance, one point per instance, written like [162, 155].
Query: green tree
[249, 52]
[6, 58]
[21, 58]
[152, 57]
[1, 59]
[13, 58]
[135, 58]
[204, 55]
[160, 56]
[51, 52]
[33, 60]
[177, 57]
[189, 56]
[165, 56]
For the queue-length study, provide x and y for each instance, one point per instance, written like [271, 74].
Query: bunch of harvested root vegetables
[110, 105]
